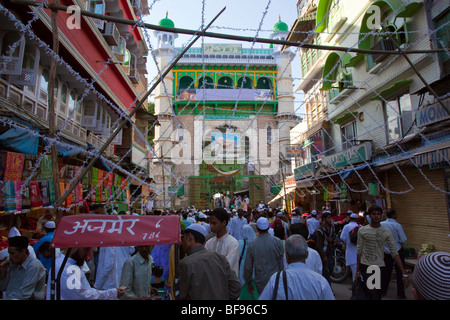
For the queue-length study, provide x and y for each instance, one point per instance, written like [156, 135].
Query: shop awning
[302, 25]
[241, 191]
[387, 93]
[347, 173]
[433, 154]
[283, 193]
[347, 117]
[23, 139]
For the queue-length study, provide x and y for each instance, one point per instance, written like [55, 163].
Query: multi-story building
[385, 140]
[100, 77]
[225, 112]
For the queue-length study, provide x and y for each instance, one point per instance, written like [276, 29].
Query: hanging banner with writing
[95, 230]
[14, 166]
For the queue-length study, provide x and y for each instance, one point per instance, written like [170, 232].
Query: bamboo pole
[132, 112]
[52, 111]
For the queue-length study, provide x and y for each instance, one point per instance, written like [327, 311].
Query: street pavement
[342, 291]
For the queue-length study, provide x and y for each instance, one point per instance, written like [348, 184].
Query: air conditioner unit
[111, 33]
[383, 44]
[99, 23]
[134, 76]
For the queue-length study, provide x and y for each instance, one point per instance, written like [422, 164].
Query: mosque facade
[225, 113]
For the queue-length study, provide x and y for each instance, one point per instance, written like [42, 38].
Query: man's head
[375, 213]
[50, 226]
[80, 255]
[390, 213]
[296, 249]
[144, 251]
[194, 235]
[299, 228]
[45, 250]
[262, 224]
[432, 277]
[218, 220]
[326, 217]
[18, 249]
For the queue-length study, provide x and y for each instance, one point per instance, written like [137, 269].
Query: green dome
[166, 22]
[280, 26]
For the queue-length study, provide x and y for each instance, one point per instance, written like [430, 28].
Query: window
[97, 6]
[185, 87]
[43, 81]
[392, 33]
[56, 89]
[342, 80]
[399, 117]
[225, 83]
[269, 141]
[205, 83]
[72, 101]
[348, 134]
[245, 83]
[442, 40]
[127, 61]
[264, 83]
[64, 94]
[269, 134]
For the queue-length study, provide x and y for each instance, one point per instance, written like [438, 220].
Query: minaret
[163, 141]
[285, 94]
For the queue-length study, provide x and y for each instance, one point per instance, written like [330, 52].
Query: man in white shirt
[313, 261]
[110, 264]
[223, 242]
[261, 206]
[237, 223]
[312, 222]
[350, 247]
[400, 239]
[74, 284]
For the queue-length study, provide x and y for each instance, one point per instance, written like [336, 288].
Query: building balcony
[225, 95]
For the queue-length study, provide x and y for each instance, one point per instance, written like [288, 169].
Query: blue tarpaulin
[68, 151]
[21, 140]
[347, 173]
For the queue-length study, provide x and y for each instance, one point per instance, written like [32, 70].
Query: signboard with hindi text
[97, 230]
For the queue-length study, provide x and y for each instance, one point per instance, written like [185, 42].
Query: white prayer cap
[354, 216]
[262, 223]
[280, 214]
[14, 232]
[197, 227]
[314, 212]
[202, 216]
[50, 225]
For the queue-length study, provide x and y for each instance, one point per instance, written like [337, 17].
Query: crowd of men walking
[230, 254]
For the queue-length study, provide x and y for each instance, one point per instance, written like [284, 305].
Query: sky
[241, 17]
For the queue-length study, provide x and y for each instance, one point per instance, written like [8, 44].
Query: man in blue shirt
[302, 283]
[48, 237]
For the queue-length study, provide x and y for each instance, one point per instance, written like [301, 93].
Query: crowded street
[224, 156]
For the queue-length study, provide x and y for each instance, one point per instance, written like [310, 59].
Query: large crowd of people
[227, 254]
